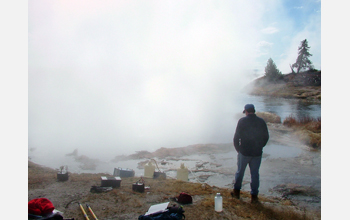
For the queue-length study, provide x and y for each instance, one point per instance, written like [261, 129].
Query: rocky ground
[124, 203]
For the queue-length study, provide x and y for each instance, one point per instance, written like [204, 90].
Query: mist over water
[98, 130]
[105, 141]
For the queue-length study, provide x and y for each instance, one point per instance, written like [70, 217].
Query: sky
[122, 76]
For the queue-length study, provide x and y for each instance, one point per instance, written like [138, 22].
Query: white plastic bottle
[218, 202]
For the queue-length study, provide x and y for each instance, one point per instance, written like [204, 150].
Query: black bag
[173, 213]
[162, 216]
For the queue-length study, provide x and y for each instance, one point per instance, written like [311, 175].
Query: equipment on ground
[92, 213]
[82, 209]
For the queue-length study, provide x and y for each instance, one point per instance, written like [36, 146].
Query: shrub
[310, 123]
[290, 121]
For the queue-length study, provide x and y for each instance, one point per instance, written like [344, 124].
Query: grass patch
[38, 174]
[307, 128]
[269, 117]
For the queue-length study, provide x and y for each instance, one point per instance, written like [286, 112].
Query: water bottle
[218, 202]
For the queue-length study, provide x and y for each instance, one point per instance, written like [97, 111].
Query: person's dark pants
[254, 165]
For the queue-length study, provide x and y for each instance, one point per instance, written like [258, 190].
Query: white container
[218, 202]
[182, 173]
[149, 170]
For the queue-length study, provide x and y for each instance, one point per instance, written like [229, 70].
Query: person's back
[251, 135]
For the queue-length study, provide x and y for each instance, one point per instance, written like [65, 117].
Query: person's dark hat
[249, 108]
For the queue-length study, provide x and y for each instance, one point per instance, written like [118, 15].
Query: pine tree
[303, 62]
[271, 72]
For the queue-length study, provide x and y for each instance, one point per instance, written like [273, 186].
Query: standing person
[250, 137]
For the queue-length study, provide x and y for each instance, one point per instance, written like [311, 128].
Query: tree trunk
[291, 69]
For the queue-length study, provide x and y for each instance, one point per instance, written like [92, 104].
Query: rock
[203, 178]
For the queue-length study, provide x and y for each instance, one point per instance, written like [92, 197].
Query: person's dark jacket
[251, 135]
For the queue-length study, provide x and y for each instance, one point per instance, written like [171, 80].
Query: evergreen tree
[271, 72]
[303, 61]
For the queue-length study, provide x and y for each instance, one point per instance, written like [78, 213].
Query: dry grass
[123, 203]
[269, 117]
[308, 129]
[38, 174]
[313, 124]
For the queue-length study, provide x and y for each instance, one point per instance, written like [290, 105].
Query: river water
[283, 107]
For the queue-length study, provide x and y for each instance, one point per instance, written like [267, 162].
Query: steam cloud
[118, 77]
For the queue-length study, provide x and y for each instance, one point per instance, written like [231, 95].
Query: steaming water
[222, 131]
[227, 120]
[225, 130]
[281, 164]
[281, 151]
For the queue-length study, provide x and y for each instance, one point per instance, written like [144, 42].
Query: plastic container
[149, 170]
[182, 173]
[218, 202]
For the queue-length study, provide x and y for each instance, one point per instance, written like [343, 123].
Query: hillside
[304, 85]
